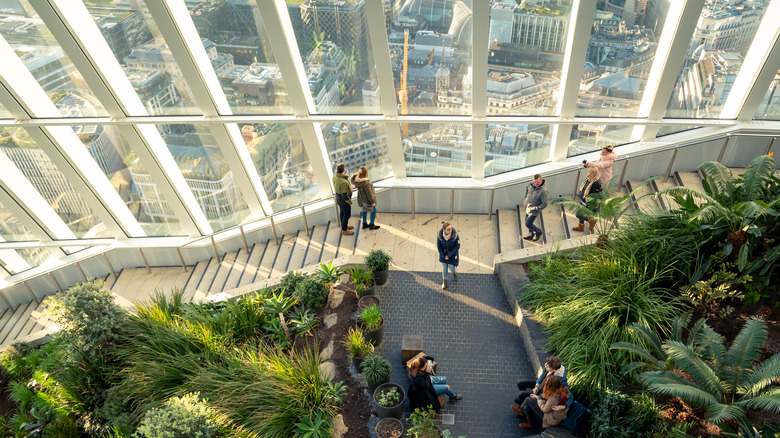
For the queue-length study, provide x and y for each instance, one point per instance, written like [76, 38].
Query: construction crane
[402, 93]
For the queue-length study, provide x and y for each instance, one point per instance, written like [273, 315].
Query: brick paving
[471, 332]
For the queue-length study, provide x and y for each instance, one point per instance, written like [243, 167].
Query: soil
[389, 428]
[367, 301]
[356, 407]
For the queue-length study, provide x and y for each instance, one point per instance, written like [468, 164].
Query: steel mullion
[480, 34]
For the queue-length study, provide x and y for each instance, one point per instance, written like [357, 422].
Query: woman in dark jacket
[591, 185]
[424, 388]
[448, 244]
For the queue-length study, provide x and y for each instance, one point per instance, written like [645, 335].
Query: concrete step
[225, 266]
[236, 270]
[269, 259]
[347, 244]
[253, 263]
[331, 242]
[283, 256]
[208, 277]
[18, 320]
[690, 180]
[299, 251]
[508, 230]
[315, 245]
[192, 282]
[554, 230]
[647, 205]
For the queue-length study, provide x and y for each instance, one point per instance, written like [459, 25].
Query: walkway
[471, 332]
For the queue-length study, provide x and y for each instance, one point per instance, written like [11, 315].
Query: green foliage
[311, 293]
[711, 295]
[371, 318]
[303, 321]
[278, 304]
[290, 281]
[375, 368]
[328, 274]
[728, 382]
[389, 397]
[361, 277]
[19, 360]
[356, 344]
[423, 423]
[316, 427]
[88, 316]
[378, 260]
[179, 417]
[616, 415]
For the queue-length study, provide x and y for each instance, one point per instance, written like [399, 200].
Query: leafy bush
[423, 424]
[88, 316]
[290, 281]
[712, 294]
[356, 344]
[378, 260]
[389, 397]
[179, 417]
[370, 318]
[303, 321]
[360, 276]
[375, 368]
[316, 427]
[311, 293]
[328, 274]
[616, 415]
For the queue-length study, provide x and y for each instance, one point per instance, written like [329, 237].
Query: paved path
[471, 332]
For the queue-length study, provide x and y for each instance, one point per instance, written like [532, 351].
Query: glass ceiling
[201, 115]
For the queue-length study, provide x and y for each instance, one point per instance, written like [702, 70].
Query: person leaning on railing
[604, 163]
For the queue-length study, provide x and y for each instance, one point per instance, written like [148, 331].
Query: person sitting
[552, 366]
[425, 388]
[550, 408]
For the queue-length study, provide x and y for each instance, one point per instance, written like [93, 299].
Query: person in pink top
[604, 163]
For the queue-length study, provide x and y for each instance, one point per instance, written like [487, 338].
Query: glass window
[127, 175]
[358, 144]
[430, 49]
[138, 45]
[51, 183]
[720, 42]
[4, 114]
[207, 174]
[527, 44]
[514, 146]
[13, 230]
[335, 47]
[239, 49]
[622, 46]
[44, 58]
[770, 104]
[437, 149]
[672, 129]
[588, 137]
[282, 163]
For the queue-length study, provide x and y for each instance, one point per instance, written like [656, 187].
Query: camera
[584, 161]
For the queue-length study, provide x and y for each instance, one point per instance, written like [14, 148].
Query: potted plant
[424, 424]
[363, 280]
[378, 262]
[389, 428]
[357, 346]
[376, 370]
[372, 323]
[368, 300]
[389, 400]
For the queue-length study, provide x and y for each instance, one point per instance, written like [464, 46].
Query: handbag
[368, 208]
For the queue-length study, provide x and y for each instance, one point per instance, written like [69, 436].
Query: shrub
[371, 318]
[389, 397]
[310, 293]
[328, 274]
[88, 315]
[378, 260]
[356, 344]
[375, 368]
[616, 415]
[423, 424]
[179, 417]
[290, 281]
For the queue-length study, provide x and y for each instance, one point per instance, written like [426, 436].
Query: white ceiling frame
[27, 99]
[577, 39]
[480, 42]
[384, 75]
[680, 20]
[76, 31]
[173, 19]
[758, 69]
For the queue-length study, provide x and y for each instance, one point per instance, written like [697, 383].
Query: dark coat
[421, 392]
[448, 247]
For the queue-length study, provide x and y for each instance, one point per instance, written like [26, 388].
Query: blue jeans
[529, 223]
[346, 212]
[440, 385]
[373, 216]
[444, 267]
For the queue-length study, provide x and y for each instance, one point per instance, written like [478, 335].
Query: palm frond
[664, 382]
[719, 178]
[766, 402]
[710, 342]
[573, 206]
[711, 212]
[687, 191]
[761, 377]
[718, 413]
[754, 209]
[747, 345]
[754, 179]
[650, 337]
[638, 351]
[701, 373]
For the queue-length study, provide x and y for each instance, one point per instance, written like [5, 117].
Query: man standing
[344, 198]
[535, 202]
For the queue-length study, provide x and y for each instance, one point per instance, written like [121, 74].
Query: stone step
[647, 205]
[18, 319]
[253, 263]
[237, 269]
[690, 180]
[554, 230]
[299, 251]
[269, 259]
[331, 242]
[284, 255]
[192, 282]
[225, 266]
[208, 277]
[508, 230]
[315, 245]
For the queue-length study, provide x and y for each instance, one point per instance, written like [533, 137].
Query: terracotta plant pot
[389, 428]
[395, 411]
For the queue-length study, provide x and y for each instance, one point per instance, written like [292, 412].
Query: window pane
[620, 53]
[241, 54]
[207, 174]
[358, 144]
[138, 45]
[438, 149]
[437, 56]
[124, 170]
[672, 129]
[4, 114]
[336, 52]
[514, 146]
[770, 104]
[51, 183]
[720, 42]
[282, 163]
[527, 44]
[588, 137]
[13, 230]
[44, 58]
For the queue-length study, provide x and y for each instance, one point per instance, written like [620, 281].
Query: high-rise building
[122, 29]
[342, 23]
[542, 26]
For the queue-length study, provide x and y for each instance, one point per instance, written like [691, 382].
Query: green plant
[279, 304]
[378, 260]
[311, 293]
[328, 274]
[710, 294]
[389, 397]
[728, 383]
[179, 417]
[616, 415]
[17, 360]
[375, 368]
[316, 427]
[356, 344]
[360, 290]
[88, 316]
[371, 318]
[423, 424]
[290, 281]
[360, 276]
[303, 321]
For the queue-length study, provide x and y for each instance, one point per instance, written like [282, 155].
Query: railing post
[214, 246]
[623, 173]
[412, 203]
[490, 208]
[576, 184]
[305, 221]
[243, 237]
[452, 203]
[78, 266]
[143, 256]
[769, 147]
[723, 149]
[7, 303]
[273, 228]
[110, 266]
[57, 283]
[671, 163]
[181, 258]
[31, 292]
